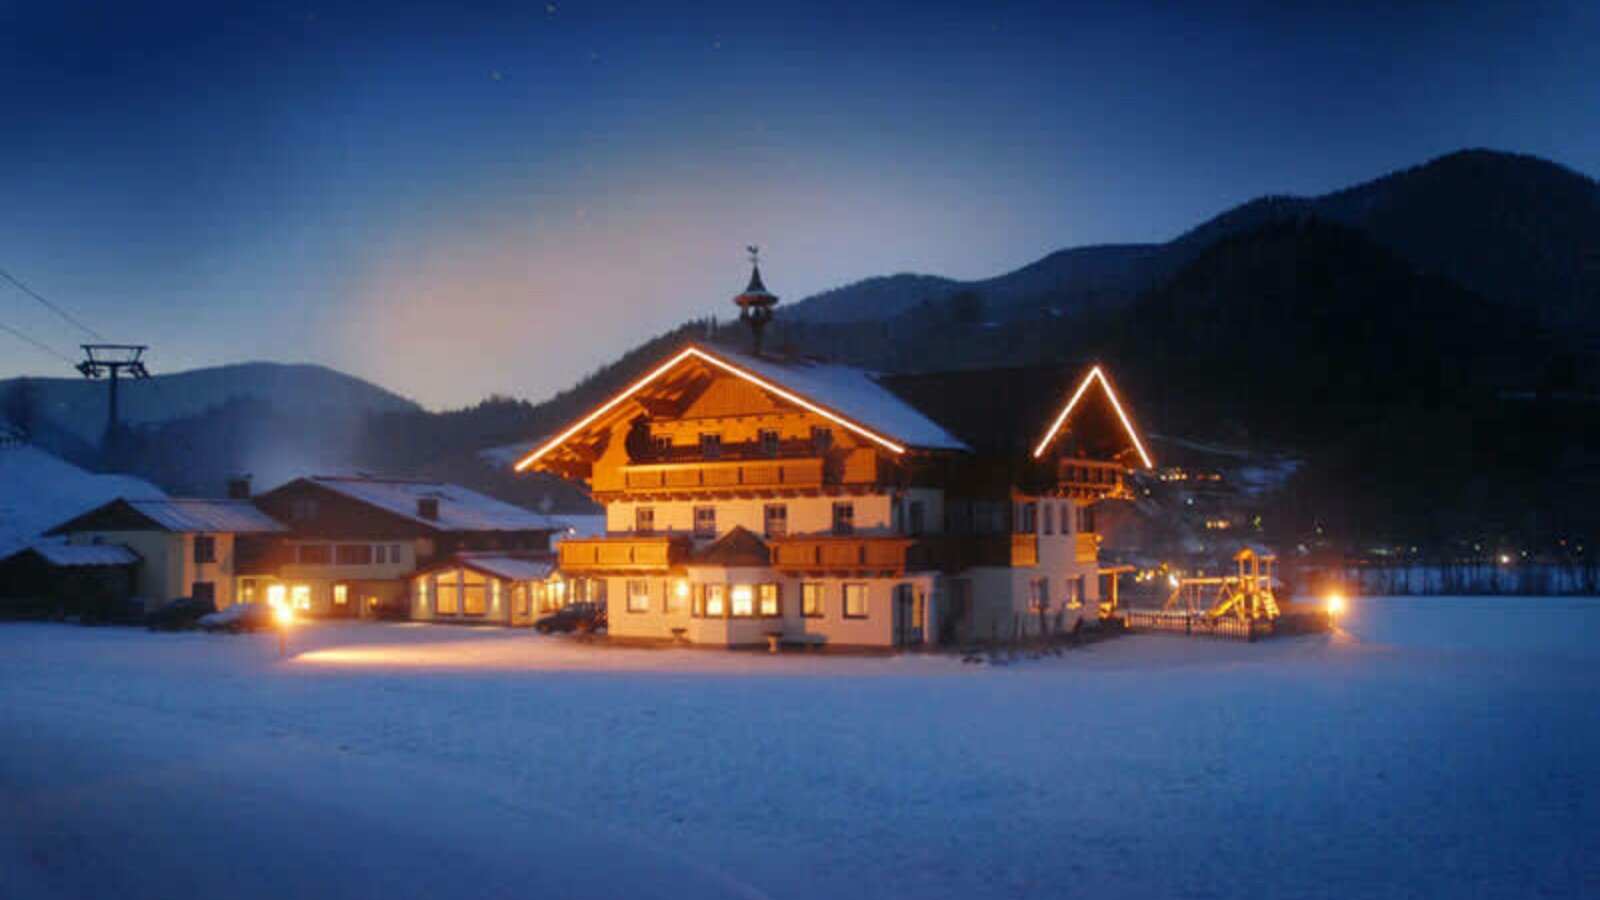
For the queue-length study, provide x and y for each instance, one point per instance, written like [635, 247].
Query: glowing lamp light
[1172, 580]
[682, 589]
[283, 614]
[1335, 604]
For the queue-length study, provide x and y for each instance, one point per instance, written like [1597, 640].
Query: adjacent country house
[176, 547]
[751, 499]
[401, 548]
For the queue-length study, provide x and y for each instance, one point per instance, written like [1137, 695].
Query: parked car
[240, 617]
[181, 614]
[580, 617]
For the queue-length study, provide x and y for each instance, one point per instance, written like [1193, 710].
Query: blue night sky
[500, 199]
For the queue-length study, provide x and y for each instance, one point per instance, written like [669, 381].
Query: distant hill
[79, 405]
[1509, 227]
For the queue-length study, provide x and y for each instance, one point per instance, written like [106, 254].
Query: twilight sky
[503, 196]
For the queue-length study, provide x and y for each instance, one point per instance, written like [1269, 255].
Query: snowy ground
[1437, 748]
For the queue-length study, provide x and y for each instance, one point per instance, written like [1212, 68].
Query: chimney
[428, 508]
[239, 488]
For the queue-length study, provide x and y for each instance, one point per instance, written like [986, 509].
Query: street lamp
[284, 617]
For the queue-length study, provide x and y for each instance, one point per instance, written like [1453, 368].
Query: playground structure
[1245, 596]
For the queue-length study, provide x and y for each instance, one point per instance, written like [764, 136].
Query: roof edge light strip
[696, 352]
[1127, 424]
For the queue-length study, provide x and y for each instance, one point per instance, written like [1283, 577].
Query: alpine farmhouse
[751, 499]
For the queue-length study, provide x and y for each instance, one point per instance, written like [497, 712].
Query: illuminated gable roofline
[697, 353]
[1066, 411]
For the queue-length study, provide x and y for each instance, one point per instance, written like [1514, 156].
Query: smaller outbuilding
[93, 582]
[487, 588]
[185, 547]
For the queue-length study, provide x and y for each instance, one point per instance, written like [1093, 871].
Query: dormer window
[710, 446]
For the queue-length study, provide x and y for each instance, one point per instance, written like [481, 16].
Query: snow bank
[1431, 749]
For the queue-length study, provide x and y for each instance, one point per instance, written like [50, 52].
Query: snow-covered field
[1436, 748]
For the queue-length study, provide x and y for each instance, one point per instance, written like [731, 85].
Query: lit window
[855, 601]
[300, 596]
[638, 595]
[775, 520]
[844, 518]
[811, 599]
[678, 597]
[769, 605]
[341, 595]
[644, 520]
[473, 591]
[705, 521]
[744, 601]
[247, 590]
[447, 595]
[205, 548]
[716, 600]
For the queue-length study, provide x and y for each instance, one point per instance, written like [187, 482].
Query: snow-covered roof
[498, 565]
[847, 395]
[39, 490]
[85, 554]
[459, 509]
[853, 393]
[190, 514]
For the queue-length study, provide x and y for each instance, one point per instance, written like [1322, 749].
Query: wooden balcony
[1088, 547]
[885, 555]
[623, 554]
[1024, 549]
[1091, 479]
[781, 475]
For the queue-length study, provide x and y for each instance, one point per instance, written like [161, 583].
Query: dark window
[844, 518]
[1027, 518]
[769, 442]
[303, 509]
[775, 520]
[205, 548]
[661, 443]
[644, 520]
[916, 525]
[1049, 518]
[315, 554]
[353, 554]
[1086, 520]
[204, 591]
[705, 521]
[821, 439]
[710, 446]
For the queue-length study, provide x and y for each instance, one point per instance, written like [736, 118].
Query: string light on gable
[1095, 374]
[696, 353]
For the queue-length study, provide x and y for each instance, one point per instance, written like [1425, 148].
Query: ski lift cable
[25, 337]
[66, 316]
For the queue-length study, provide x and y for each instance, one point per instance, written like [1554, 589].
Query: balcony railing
[846, 554]
[859, 466]
[624, 554]
[1091, 479]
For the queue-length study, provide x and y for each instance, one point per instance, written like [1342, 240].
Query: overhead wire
[65, 316]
